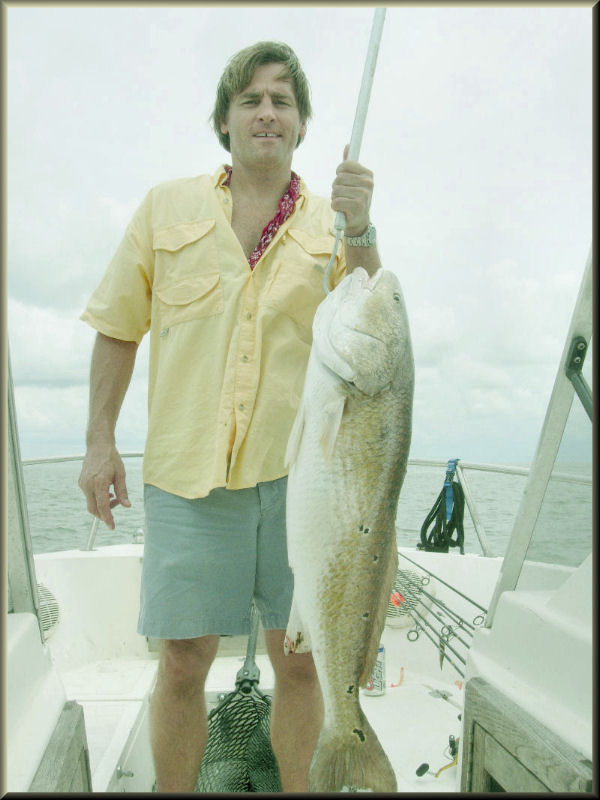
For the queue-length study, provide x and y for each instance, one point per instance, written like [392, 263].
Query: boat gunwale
[505, 469]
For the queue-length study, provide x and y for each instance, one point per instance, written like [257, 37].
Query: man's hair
[238, 75]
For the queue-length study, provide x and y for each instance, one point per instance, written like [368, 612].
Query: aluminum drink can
[376, 683]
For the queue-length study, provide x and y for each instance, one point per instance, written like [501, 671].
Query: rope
[446, 516]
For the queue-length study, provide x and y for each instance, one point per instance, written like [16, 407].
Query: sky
[479, 135]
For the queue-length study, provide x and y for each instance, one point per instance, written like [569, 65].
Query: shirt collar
[220, 176]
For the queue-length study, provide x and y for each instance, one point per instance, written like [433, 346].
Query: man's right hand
[102, 469]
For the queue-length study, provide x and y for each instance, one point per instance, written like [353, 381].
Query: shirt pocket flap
[315, 245]
[177, 236]
[186, 292]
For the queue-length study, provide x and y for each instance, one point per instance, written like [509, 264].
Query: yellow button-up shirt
[228, 346]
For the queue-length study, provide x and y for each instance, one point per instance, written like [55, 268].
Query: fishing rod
[412, 592]
[450, 630]
[454, 615]
[423, 623]
[422, 626]
[464, 596]
[359, 123]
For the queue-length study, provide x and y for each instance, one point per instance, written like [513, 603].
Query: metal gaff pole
[360, 117]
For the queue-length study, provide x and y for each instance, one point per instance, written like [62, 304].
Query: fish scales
[348, 453]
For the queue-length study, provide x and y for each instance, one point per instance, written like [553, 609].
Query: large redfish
[348, 452]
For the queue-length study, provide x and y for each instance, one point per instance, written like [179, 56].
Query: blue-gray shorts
[206, 559]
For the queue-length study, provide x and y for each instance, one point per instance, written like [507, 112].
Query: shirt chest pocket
[296, 286]
[188, 282]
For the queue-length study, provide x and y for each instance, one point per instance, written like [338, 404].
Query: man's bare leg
[178, 721]
[296, 714]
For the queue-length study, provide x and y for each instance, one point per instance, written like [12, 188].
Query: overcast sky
[479, 134]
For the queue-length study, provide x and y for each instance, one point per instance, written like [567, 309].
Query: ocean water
[58, 518]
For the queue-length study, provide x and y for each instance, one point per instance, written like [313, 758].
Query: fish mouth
[361, 332]
[369, 335]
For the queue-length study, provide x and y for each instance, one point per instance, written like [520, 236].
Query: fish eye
[396, 297]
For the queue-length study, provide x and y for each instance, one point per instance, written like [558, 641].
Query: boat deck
[408, 719]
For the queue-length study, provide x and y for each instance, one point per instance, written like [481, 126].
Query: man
[225, 272]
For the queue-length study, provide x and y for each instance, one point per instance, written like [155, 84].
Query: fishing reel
[450, 752]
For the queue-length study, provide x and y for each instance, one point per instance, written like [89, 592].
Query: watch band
[366, 239]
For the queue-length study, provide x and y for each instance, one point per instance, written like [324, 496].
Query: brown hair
[238, 75]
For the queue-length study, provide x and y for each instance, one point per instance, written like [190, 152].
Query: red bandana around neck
[286, 206]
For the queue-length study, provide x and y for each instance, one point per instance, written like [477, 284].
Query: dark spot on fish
[375, 558]
[360, 527]
[366, 530]
[359, 733]
[366, 615]
[350, 689]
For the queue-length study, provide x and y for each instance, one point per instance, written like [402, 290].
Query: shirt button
[245, 358]
[284, 239]
[241, 406]
[248, 315]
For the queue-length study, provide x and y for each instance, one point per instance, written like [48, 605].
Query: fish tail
[352, 761]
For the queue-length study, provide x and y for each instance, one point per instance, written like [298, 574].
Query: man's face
[263, 121]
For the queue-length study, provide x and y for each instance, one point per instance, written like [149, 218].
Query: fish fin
[353, 761]
[332, 419]
[293, 445]
[379, 622]
[297, 639]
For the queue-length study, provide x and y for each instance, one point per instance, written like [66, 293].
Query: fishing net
[238, 755]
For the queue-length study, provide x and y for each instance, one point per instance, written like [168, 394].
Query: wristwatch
[364, 240]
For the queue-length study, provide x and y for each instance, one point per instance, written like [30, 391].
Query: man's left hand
[351, 193]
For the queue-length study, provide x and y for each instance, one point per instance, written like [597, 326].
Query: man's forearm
[366, 257]
[112, 366]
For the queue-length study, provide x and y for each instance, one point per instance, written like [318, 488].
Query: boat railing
[462, 467]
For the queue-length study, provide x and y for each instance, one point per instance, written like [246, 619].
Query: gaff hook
[359, 123]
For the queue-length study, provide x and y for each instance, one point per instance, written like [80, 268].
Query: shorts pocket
[193, 298]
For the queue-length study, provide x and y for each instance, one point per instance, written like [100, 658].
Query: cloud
[478, 133]
[48, 347]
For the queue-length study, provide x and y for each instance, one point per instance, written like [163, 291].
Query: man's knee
[297, 668]
[184, 663]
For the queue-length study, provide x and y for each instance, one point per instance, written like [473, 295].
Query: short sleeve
[120, 307]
